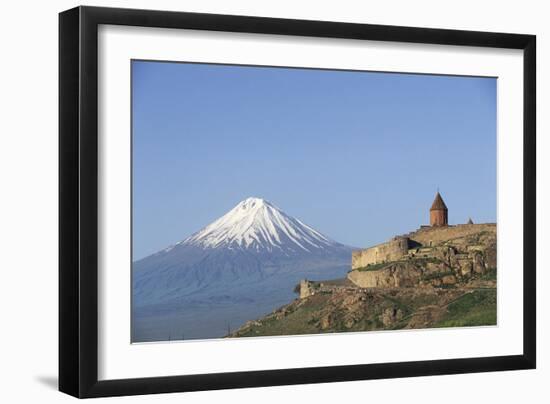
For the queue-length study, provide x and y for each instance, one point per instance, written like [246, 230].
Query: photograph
[276, 201]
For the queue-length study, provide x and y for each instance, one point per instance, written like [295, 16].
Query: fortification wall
[389, 251]
[439, 234]
[426, 236]
[370, 279]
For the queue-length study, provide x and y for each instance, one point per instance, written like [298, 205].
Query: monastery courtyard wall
[425, 236]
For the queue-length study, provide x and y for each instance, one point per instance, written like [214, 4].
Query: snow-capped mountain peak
[256, 224]
[253, 247]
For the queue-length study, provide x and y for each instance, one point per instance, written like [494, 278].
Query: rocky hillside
[449, 282]
[369, 310]
[440, 257]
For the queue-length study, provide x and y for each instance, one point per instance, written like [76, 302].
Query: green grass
[436, 275]
[490, 275]
[417, 261]
[372, 267]
[433, 260]
[443, 286]
[405, 309]
[472, 309]
[300, 321]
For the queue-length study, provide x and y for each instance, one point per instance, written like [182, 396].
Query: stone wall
[399, 275]
[369, 279]
[457, 255]
[435, 235]
[390, 251]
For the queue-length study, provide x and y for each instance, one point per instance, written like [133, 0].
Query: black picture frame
[78, 201]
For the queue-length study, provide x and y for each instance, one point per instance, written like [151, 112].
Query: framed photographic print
[250, 201]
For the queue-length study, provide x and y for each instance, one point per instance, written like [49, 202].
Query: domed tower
[438, 212]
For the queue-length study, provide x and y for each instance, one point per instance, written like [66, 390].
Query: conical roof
[438, 203]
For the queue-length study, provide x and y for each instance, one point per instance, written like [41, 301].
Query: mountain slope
[249, 259]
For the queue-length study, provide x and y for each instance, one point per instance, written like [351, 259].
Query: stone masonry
[390, 251]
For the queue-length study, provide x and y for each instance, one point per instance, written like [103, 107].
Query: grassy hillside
[363, 310]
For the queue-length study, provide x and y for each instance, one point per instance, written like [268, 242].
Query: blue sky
[356, 155]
